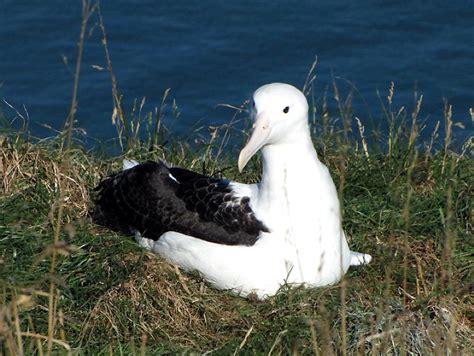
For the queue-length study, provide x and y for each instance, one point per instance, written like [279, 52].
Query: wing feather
[154, 199]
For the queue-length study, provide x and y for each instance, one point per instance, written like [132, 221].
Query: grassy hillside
[67, 285]
[70, 287]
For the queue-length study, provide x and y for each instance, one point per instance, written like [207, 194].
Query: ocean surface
[218, 52]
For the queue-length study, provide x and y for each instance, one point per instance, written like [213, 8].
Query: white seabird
[248, 238]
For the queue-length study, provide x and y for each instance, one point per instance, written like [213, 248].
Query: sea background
[218, 52]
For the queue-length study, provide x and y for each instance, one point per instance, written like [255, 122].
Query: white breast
[306, 217]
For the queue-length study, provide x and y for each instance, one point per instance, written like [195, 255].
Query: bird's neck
[296, 155]
[284, 165]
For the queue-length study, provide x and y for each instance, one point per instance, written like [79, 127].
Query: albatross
[246, 238]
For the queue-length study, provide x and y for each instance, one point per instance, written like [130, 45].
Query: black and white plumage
[153, 198]
[248, 238]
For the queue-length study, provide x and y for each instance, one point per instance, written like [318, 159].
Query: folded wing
[153, 199]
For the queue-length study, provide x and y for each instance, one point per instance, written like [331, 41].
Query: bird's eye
[286, 109]
[253, 104]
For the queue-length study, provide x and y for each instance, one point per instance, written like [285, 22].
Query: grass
[410, 208]
[68, 286]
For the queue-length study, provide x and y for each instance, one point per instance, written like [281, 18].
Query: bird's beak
[261, 133]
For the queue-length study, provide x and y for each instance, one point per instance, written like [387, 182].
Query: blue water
[211, 52]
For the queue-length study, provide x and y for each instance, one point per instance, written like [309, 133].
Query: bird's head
[279, 111]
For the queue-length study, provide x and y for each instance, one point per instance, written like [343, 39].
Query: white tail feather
[129, 163]
[360, 259]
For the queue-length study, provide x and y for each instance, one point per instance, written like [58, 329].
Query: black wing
[154, 199]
